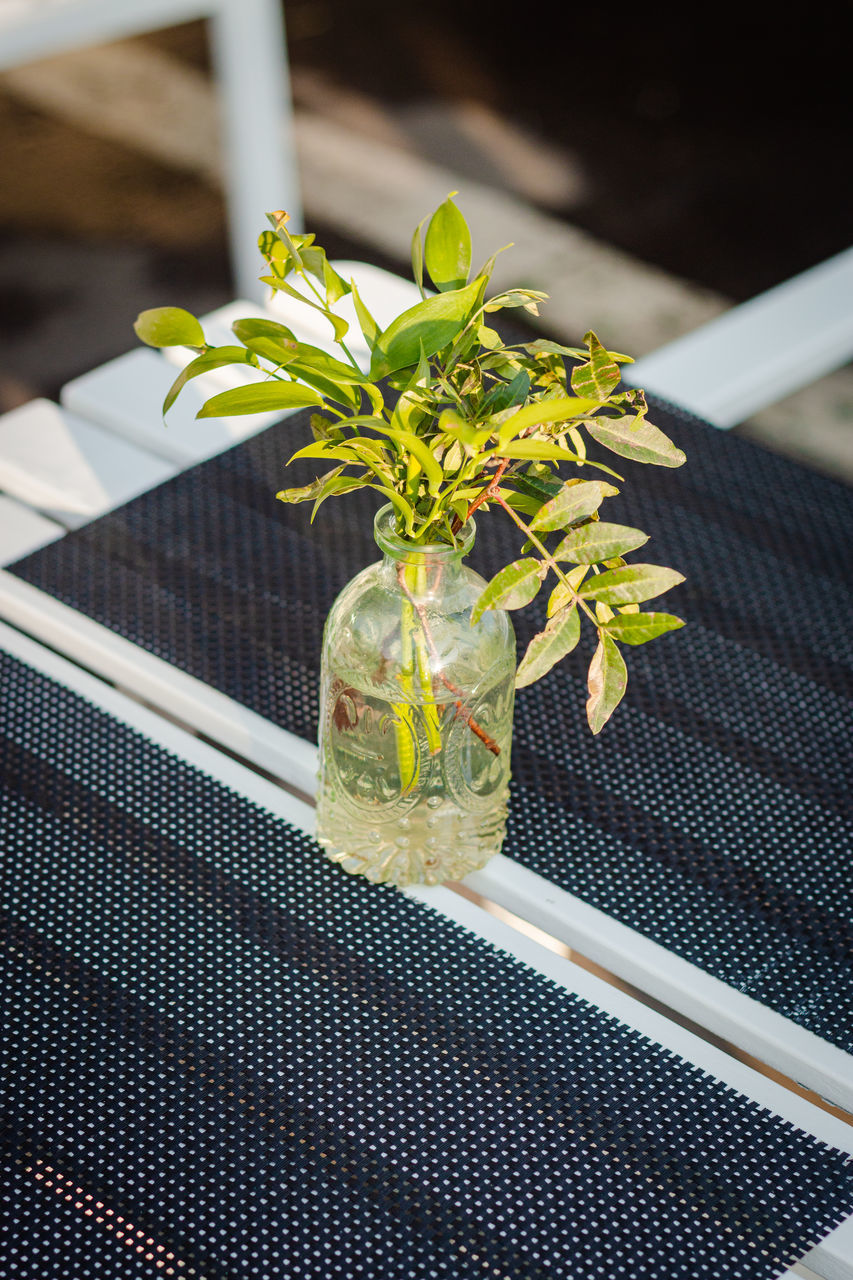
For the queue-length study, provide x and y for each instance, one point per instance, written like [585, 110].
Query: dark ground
[715, 146]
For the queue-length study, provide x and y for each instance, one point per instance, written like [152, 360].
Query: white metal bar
[69, 469]
[126, 396]
[832, 1259]
[23, 531]
[745, 1022]
[249, 52]
[689, 990]
[178, 694]
[760, 351]
[44, 28]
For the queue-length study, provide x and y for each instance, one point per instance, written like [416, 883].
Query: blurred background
[651, 172]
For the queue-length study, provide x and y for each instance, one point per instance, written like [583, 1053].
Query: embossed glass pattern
[415, 717]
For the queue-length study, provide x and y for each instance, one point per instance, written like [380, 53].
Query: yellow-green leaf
[335, 287]
[260, 397]
[594, 543]
[606, 681]
[512, 588]
[433, 324]
[368, 325]
[563, 595]
[557, 409]
[337, 322]
[267, 338]
[635, 439]
[549, 646]
[168, 327]
[420, 451]
[213, 358]
[573, 502]
[418, 256]
[308, 492]
[599, 375]
[637, 628]
[634, 583]
[447, 250]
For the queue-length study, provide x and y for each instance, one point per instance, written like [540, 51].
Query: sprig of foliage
[476, 423]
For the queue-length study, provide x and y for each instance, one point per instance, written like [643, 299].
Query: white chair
[68, 469]
[761, 351]
[23, 531]
[250, 60]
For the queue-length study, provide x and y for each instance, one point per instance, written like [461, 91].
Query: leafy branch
[476, 423]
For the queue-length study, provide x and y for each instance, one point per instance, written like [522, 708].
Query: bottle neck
[416, 560]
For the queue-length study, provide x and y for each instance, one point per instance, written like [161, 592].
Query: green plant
[476, 423]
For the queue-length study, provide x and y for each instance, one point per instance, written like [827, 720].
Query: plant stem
[459, 698]
[343, 346]
[548, 558]
[486, 495]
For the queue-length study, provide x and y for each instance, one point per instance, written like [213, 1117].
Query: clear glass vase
[415, 717]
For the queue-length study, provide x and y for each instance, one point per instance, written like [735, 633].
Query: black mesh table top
[226, 1058]
[709, 815]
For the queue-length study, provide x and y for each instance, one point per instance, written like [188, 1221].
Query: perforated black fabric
[226, 1058]
[710, 814]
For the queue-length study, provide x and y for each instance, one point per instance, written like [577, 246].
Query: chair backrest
[761, 351]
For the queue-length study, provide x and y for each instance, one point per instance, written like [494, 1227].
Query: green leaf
[277, 221]
[512, 588]
[340, 391]
[420, 451]
[543, 346]
[488, 337]
[527, 298]
[635, 439]
[637, 628]
[168, 327]
[401, 506]
[308, 492]
[600, 375]
[340, 484]
[335, 287]
[435, 322]
[368, 325]
[563, 595]
[559, 638]
[323, 429]
[275, 253]
[337, 322]
[374, 395]
[447, 251]
[213, 358]
[359, 449]
[541, 487]
[319, 360]
[485, 272]
[593, 543]
[578, 441]
[557, 409]
[260, 397]
[546, 450]
[606, 682]
[573, 502]
[505, 394]
[418, 256]
[325, 486]
[630, 585]
[267, 338]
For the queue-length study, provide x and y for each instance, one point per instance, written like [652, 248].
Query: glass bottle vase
[415, 716]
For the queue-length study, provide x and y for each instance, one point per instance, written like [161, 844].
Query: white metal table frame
[687, 989]
[832, 1259]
